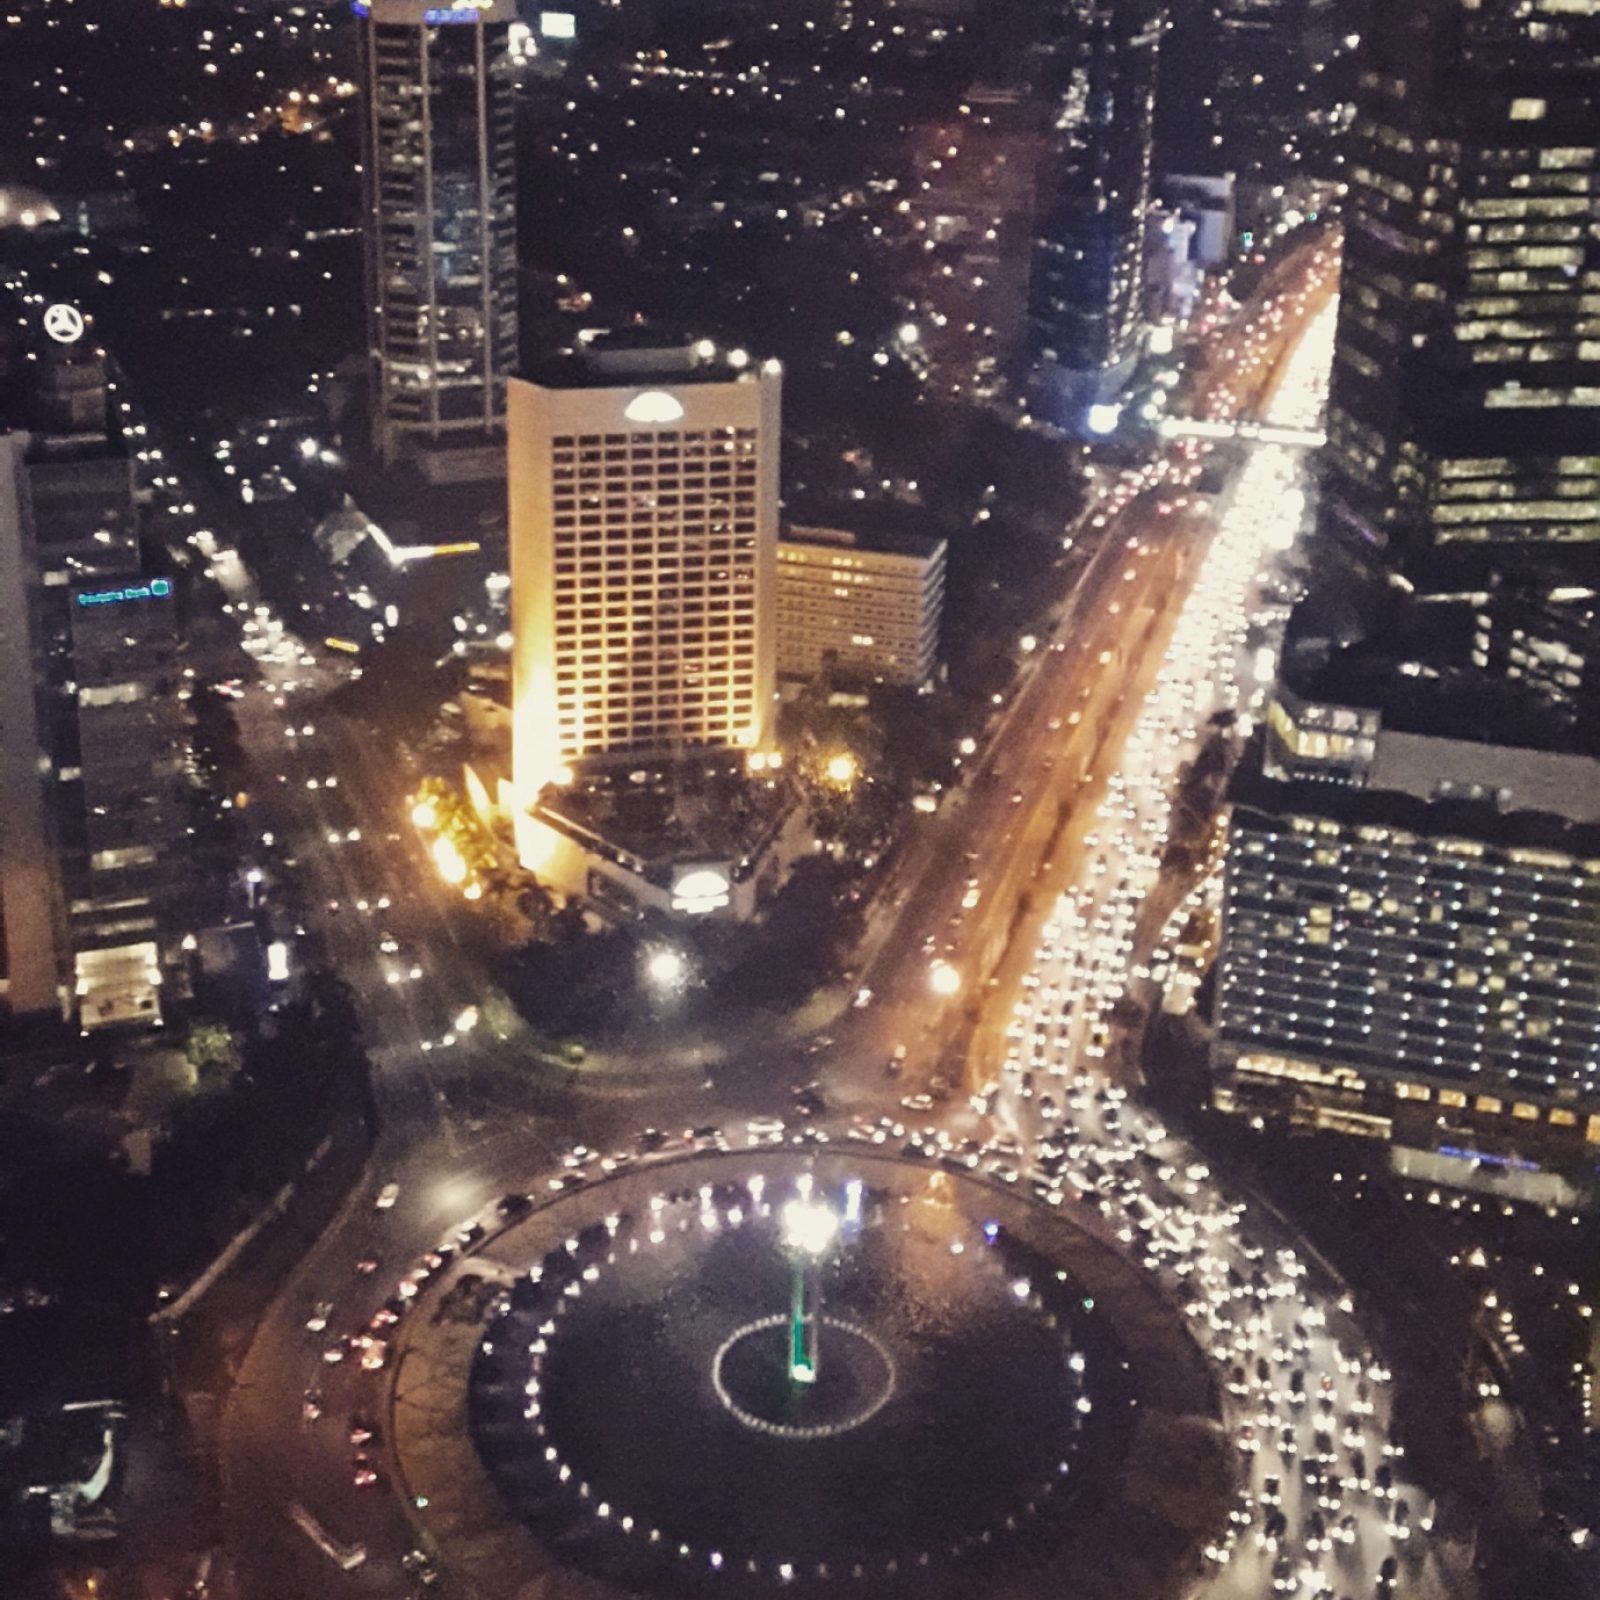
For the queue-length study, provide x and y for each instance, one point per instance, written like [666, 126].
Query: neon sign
[434, 15]
[156, 589]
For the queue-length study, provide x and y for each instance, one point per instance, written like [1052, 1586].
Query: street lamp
[943, 979]
[448, 859]
[809, 1227]
[666, 968]
[841, 769]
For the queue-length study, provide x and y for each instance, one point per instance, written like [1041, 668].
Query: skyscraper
[1464, 409]
[438, 180]
[644, 523]
[1094, 190]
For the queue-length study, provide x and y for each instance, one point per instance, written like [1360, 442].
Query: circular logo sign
[63, 323]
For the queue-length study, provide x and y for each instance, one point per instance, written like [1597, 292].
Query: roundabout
[659, 1386]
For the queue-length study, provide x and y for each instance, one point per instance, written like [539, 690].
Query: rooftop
[890, 529]
[1358, 643]
[1481, 820]
[626, 357]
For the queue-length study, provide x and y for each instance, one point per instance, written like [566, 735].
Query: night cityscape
[799, 798]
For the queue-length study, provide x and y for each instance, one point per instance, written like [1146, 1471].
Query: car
[387, 1196]
[917, 1102]
[362, 1430]
[318, 1320]
[366, 1266]
[808, 1101]
[764, 1130]
[364, 1475]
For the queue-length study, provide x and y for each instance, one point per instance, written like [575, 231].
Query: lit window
[1527, 110]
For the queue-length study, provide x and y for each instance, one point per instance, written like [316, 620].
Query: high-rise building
[1464, 406]
[438, 180]
[1094, 190]
[862, 600]
[1411, 931]
[644, 524]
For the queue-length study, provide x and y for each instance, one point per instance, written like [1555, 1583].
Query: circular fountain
[842, 1370]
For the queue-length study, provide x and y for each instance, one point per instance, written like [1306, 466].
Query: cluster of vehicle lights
[1320, 1510]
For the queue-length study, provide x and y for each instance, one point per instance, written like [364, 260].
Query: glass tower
[1094, 192]
[438, 173]
[1464, 409]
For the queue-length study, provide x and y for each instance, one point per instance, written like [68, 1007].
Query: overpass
[1264, 432]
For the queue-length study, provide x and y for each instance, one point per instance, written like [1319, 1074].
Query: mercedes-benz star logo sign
[63, 323]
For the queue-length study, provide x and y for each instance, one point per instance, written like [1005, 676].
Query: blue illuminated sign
[1488, 1158]
[156, 589]
[433, 15]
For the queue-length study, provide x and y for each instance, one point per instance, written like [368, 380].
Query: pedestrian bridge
[1264, 432]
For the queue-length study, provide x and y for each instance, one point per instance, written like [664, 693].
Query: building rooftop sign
[156, 589]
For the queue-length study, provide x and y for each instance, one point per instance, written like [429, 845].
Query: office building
[1087, 287]
[1464, 406]
[438, 182]
[118, 871]
[644, 511]
[862, 602]
[1420, 961]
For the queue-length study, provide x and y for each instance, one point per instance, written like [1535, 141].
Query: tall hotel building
[439, 191]
[1464, 409]
[644, 523]
[1094, 191]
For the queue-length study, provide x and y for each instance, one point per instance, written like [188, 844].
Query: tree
[212, 1053]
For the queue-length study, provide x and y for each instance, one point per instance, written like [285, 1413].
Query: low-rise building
[863, 601]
